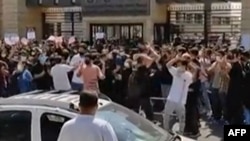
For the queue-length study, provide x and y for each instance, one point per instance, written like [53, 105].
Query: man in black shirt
[40, 74]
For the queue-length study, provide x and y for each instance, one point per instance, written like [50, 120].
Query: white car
[39, 116]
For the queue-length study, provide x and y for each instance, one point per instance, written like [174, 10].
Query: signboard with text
[115, 7]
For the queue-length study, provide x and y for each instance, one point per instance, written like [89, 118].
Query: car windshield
[130, 126]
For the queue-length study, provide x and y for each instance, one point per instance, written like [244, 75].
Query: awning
[188, 1]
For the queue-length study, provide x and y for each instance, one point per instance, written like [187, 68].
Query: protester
[177, 97]
[196, 81]
[85, 126]
[59, 73]
[90, 74]
[77, 59]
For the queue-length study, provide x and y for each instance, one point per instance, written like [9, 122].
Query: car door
[51, 121]
[16, 123]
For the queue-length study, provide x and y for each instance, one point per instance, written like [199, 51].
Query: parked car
[39, 116]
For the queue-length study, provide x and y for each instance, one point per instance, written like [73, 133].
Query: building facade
[225, 18]
[82, 18]
[148, 19]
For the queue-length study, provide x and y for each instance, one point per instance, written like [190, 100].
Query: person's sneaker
[195, 135]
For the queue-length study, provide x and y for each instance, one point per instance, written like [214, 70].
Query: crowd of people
[196, 80]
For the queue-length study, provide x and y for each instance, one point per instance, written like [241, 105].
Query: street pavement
[209, 131]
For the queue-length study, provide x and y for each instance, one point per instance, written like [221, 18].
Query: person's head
[194, 52]
[182, 65]
[236, 54]
[181, 50]
[221, 54]
[88, 103]
[57, 59]
[89, 59]
[208, 53]
[82, 49]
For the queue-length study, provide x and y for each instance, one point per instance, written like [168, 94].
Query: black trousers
[235, 111]
[143, 103]
[192, 114]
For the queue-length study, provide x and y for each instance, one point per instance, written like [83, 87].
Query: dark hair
[221, 52]
[183, 62]
[88, 100]
[194, 51]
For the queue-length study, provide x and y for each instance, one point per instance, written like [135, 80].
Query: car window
[129, 126]
[15, 126]
[51, 125]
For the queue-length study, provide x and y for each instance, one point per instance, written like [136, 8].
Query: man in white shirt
[59, 73]
[85, 127]
[177, 97]
[77, 83]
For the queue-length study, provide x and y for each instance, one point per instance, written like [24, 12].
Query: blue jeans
[247, 116]
[205, 96]
[77, 86]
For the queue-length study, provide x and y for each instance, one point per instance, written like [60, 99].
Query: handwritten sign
[31, 34]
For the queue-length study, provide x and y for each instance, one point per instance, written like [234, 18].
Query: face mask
[23, 58]
[126, 65]
[3, 55]
[20, 67]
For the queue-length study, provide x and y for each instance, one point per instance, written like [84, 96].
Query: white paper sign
[11, 38]
[72, 40]
[99, 35]
[245, 41]
[31, 34]
[51, 38]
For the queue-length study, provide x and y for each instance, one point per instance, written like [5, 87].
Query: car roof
[61, 99]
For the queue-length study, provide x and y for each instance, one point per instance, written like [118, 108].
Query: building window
[225, 21]
[189, 18]
[221, 20]
[198, 18]
[15, 126]
[216, 20]
[178, 17]
[51, 125]
[117, 31]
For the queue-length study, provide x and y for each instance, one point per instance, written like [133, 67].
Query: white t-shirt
[59, 74]
[87, 128]
[179, 88]
[76, 60]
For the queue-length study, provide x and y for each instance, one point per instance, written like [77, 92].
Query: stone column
[16, 17]
[245, 18]
[9, 16]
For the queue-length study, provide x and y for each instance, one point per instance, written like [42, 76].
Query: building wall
[230, 10]
[245, 24]
[157, 15]
[16, 18]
